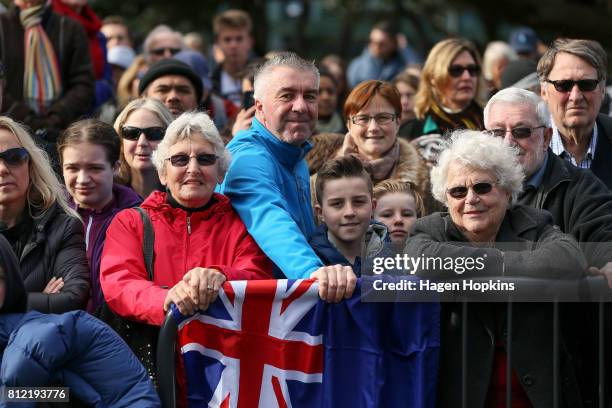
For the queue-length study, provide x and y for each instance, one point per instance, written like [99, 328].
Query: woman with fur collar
[372, 113]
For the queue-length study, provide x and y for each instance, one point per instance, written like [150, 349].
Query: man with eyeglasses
[572, 75]
[580, 203]
[162, 42]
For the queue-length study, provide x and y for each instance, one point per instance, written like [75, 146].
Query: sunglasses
[461, 191]
[517, 133]
[456, 70]
[203, 159]
[153, 134]
[566, 85]
[162, 51]
[14, 157]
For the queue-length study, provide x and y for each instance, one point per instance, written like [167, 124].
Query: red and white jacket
[213, 238]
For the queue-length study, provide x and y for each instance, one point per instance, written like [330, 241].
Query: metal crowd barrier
[594, 290]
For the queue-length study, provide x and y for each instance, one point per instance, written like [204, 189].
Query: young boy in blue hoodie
[344, 206]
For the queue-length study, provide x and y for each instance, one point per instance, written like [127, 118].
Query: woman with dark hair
[447, 96]
[407, 85]
[89, 158]
[45, 233]
[329, 119]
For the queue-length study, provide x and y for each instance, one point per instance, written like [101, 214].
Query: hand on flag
[336, 282]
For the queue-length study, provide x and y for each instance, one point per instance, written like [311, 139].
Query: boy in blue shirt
[344, 205]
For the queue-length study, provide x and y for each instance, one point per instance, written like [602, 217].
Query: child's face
[346, 208]
[398, 212]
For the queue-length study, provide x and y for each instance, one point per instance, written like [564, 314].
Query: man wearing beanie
[174, 83]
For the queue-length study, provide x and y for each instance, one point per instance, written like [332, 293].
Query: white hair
[496, 51]
[190, 125]
[158, 31]
[478, 151]
[284, 59]
[518, 96]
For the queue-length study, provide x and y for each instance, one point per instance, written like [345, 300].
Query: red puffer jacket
[214, 238]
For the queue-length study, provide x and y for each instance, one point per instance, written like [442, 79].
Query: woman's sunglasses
[153, 134]
[566, 85]
[14, 157]
[456, 70]
[203, 159]
[461, 191]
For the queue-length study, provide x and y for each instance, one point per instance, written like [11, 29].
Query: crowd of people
[135, 178]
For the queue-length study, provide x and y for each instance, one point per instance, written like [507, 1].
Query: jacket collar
[123, 197]
[287, 154]
[556, 171]
[157, 202]
[518, 220]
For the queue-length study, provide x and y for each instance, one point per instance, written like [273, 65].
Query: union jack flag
[263, 344]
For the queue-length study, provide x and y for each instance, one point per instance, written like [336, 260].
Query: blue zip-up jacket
[76, 350]
[269, 186]
[375, 239]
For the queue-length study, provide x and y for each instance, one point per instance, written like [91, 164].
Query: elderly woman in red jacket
[200, 242]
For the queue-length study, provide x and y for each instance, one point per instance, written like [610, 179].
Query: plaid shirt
[556, 144]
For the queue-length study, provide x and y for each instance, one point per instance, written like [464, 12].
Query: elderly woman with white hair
[479, 178]
[200, 241]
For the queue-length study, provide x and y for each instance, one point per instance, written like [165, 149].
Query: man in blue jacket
[268, 180]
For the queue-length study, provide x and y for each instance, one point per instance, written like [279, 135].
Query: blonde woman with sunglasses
[44, 232]
[141, 125]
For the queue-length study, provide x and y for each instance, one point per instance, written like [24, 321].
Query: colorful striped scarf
[42, 83]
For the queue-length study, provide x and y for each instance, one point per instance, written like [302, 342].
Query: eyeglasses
[14, 157]
[517, 132]
[161, 51]
[479, 188]
[203, 159]
[566, 85]
[381, 119]
[153, 134]
[456, 70]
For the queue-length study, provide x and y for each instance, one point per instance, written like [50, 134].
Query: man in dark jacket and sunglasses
[572, 75]
[580, 203]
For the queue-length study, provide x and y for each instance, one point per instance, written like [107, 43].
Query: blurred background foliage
[318, 27]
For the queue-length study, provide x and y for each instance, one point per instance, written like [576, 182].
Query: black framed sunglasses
[456, 70]
[517, 132]
[162, 51]
[566, 85]
[153, 134]
[14, 157]
[479, 188]
[203, 159]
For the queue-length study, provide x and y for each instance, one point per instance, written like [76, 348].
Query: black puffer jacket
[56, 247]
[14, 295]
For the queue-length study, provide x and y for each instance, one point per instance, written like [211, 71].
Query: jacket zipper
[87, 231]
[189, 225]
